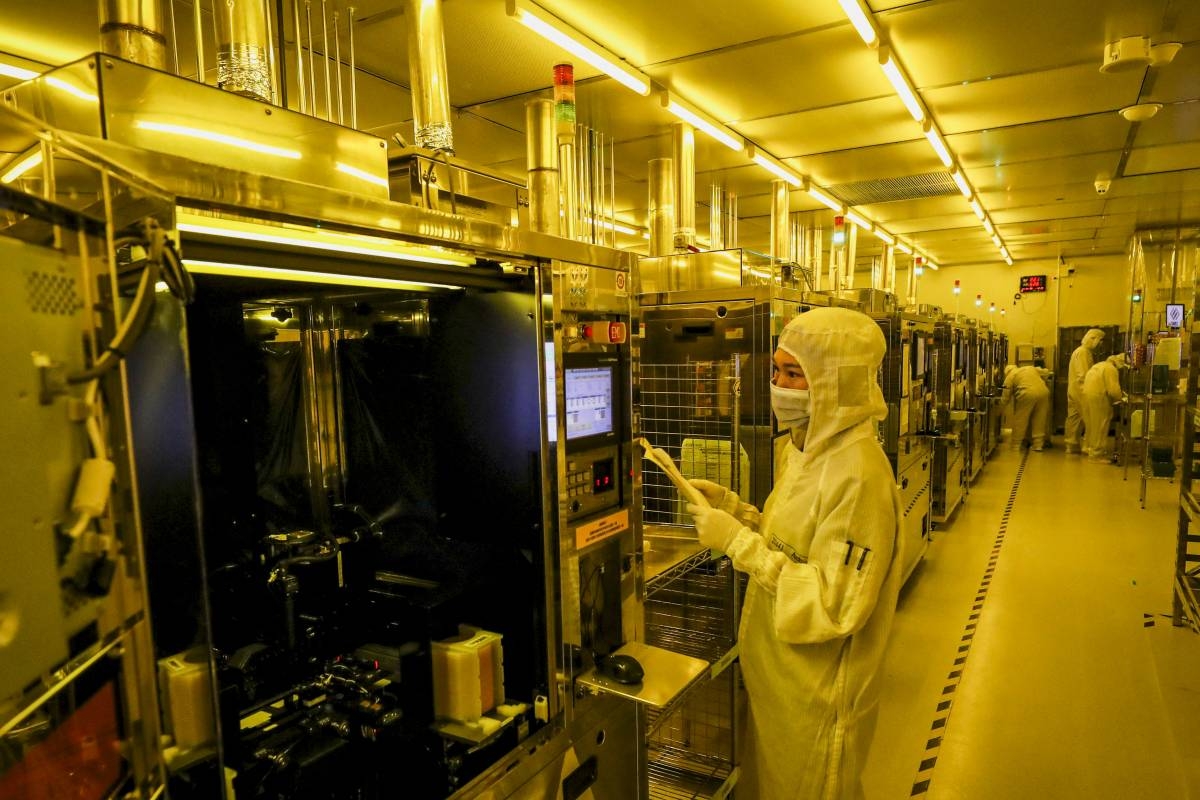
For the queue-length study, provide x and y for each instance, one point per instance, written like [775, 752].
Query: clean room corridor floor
[1023, 662]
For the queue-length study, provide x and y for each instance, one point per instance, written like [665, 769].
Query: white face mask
[791, 406]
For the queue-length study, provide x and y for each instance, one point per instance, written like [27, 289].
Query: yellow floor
[1023, 663]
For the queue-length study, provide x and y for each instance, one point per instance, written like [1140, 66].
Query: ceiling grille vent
[910, 187]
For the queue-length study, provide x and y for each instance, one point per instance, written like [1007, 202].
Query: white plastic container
[468, 675]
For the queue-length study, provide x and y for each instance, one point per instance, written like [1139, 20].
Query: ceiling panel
[914, 157]
[1041, 140]
[813, 70]
[870, 122]
[1168, 158]
[648, 33]
[1031, 97]
[1051, 174]
[1177, 81]
[994, 38]
[1004, 216]
[1174, 123]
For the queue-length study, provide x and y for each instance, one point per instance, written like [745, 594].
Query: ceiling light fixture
[900, 83]
[698, 119]
[1129, 52]
[1007, 260]
[825, 199]
[989, 227]
[938, 144]
[996, 241]
[1164, 53]
[978, 209]
[555, 30]
[861, 22]
[960, 181]
[859, 220]
[773, 166]
[1004, 253]
[304, 276]
[218, 138]
[20, 73]
[884, 236]
[903, 248]
[314, 239]
[22, 166]
[931, 265]
[1140, 112]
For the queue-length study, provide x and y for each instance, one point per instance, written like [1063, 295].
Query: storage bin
[468, 675]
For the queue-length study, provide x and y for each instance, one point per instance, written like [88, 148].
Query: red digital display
[1033, 283]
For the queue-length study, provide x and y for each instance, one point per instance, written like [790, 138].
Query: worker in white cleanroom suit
[1101, 388]
[1081, 362]
[824, 565]
[1026, 389]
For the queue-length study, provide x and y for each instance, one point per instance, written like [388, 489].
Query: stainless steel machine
[950, 357]
[386, 479]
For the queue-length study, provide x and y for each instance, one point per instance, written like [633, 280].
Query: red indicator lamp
[604, 332]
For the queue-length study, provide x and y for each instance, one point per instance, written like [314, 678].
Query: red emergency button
[605, 332]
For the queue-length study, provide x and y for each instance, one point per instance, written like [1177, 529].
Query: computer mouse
[622, 669]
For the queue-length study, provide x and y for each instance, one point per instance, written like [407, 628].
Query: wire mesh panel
[693, 609]
[690, 411]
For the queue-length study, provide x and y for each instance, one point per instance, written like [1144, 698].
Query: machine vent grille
[51, 294]
[910, 187]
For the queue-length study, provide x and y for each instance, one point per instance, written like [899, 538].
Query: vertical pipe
[174, 40]
[851, 257]
[661, 206]
[541, 163]
[568, 171]
[427, 75]
[133, 30]
[244, 49]
[353, 74]
[312, 60]
[889, 270]
[337, 62]
[325, 59]
[683, 150]
[779, 220]
[198, 24]
[716, 218]
[731, 216]
[300, 87]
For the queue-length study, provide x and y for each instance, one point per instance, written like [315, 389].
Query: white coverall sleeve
[1112, 383]
[833, 594]
[1006, 396]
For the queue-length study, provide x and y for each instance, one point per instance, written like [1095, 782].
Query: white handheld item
[664, 462]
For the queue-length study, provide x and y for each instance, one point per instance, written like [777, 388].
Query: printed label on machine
[593, 532]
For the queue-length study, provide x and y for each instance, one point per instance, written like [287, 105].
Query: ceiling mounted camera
[1102, 185]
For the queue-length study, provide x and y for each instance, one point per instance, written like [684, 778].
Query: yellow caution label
[601, 529]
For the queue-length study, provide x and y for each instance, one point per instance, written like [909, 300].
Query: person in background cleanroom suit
[824, 565]
[1101, 388]
[1026, 388]
[1081, 362]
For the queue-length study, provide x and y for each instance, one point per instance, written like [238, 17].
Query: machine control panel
[592, 481]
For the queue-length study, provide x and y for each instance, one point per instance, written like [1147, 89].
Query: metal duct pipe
[888, 279]
[730, 235]
[851, 257]
[541, 158]
[427, 75]
[243, 45]
[662, 206]
[716, 218]
[134, 30]
[779, 220]
[683, 149]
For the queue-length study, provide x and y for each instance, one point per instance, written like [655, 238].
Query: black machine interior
[370, 479]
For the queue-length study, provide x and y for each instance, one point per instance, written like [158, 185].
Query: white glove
[717, 495]
[715, 527]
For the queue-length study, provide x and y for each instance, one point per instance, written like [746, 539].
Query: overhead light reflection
[219, 138]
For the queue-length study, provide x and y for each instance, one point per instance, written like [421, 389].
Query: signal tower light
[957, 288]
[978, 300]
[992, 307]
[839, 230]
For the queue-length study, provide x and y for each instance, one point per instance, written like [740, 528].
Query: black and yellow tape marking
[941, 716]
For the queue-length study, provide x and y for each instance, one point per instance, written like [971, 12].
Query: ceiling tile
[1168, 158]
[1174, 123]
[1041, 140]
[882, 120]
[914, 157]
[1177, 81]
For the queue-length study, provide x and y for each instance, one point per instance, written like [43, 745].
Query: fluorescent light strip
[903, 248]
[860, 21]
[938, 144]
[20, 73]
[821, 197]
[361, 174]
[219, 138]
[996, 241]
[777, 170]
[884, 236]
[1004, 252]
[931, 265]
[59, 83]
[961, 182]
[989, 227]
[714, 129]
[22, 166]
[304, 276]
[1007, 260]
[900, 83]
[555, 30]
[860, 221]
[316, 240]
[978, 209]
